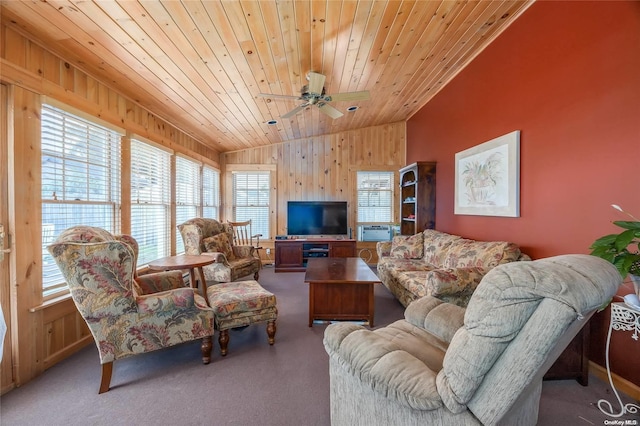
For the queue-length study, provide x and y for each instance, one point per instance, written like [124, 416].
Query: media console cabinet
[292, 255]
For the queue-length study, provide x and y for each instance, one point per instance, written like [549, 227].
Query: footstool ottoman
[239, 304]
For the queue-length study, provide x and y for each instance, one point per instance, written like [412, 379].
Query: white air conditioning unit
[376, 232]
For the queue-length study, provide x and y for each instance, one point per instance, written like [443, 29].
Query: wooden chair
[244, 236]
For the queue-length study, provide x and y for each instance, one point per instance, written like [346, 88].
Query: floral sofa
[434, 263]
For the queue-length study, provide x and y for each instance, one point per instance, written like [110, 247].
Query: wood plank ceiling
[200, 65]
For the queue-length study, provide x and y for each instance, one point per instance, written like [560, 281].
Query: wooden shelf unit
[573, 363]
[417, 197]
[292, 255]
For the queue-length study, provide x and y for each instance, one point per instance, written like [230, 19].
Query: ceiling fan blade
[271, 95]
[348, 96]
[316, 82]
[329, 110]
[295, 111]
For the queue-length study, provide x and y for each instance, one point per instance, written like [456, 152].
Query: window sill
[66, 295]
[51, 302]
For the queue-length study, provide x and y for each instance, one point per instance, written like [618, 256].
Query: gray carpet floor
[255, 384]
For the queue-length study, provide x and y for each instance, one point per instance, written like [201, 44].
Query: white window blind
[210, 193]
[375, 196]
[187, 194]
[251, 200]
[80, 181]
[150, 200]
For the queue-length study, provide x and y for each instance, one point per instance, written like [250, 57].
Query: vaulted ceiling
[201, 65]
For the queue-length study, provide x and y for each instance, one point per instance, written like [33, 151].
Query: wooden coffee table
[340, 288]
[185, 262]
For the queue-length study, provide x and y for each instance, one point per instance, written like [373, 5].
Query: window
[375, 196]
[80, 181]
[150, 200]
[187, 195]
[251, 200]
[210, 193]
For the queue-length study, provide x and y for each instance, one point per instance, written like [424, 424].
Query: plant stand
[623, 318]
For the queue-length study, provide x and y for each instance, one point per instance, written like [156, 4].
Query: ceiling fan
[314, 94]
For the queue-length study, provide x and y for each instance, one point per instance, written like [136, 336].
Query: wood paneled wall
[324, 168]
[321, 168]
[6, 373]
[28, 65]
[50, 331]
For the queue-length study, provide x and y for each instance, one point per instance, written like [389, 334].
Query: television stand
[292, 255]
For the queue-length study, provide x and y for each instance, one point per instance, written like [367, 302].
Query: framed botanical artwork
[488, 178]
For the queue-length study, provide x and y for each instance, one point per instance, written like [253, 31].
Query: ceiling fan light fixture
[314, 94]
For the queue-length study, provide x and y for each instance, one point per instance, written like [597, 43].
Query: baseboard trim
[7, 388]
[622, 385]
[67, 351]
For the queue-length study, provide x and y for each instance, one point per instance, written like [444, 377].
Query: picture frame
[487, 178]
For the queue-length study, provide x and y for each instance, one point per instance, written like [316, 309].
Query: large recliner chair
[447, 365]
[210, 237]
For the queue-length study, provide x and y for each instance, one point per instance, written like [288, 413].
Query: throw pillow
[219, 243]
[404, 247]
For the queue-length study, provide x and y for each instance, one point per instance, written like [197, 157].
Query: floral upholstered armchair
[210, 237]
[127, 314]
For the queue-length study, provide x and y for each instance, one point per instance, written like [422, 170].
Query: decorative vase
[635, 279]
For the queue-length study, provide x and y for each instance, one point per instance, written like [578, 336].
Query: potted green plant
[622, 249]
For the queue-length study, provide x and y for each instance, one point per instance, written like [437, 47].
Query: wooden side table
[185, 262]
[623, 318]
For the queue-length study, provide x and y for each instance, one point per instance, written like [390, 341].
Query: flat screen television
[317, 218]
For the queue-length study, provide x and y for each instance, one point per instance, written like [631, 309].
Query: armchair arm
[524, 257]
[454, 285]
[435, 316]
[383, 365]
[243, 251]
[219, 257]
[158, 281]
[383, 248]
[256, 238]
[166, 301]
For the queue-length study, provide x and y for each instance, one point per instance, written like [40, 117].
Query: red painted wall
[567, 75]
